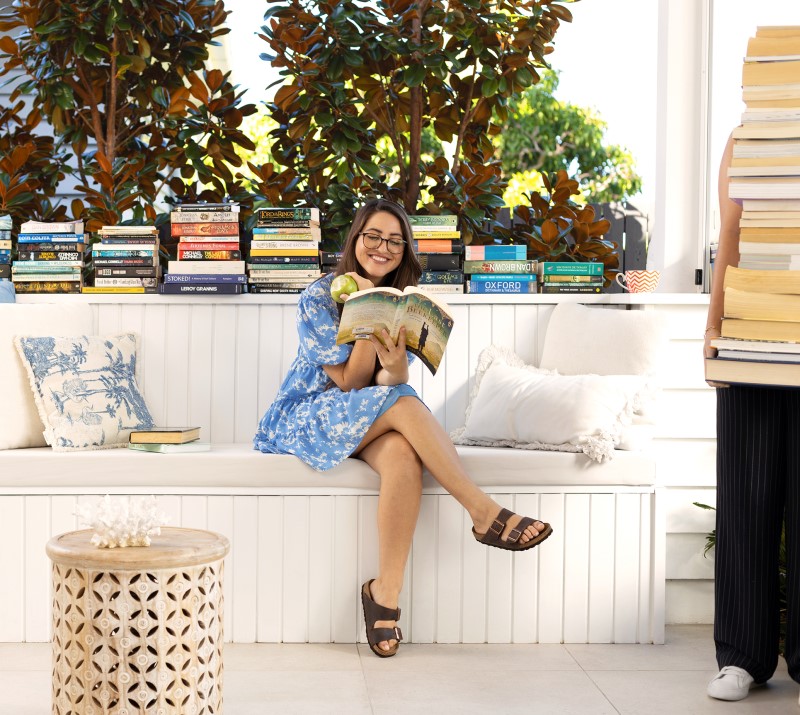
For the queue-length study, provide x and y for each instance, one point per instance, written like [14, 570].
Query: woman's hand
[709, 352]
[392, 358]
[361, 282]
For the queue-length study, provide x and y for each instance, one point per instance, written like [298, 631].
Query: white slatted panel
[499, 588]
[551, 572]
[12, 566]
[476, 568]
[320, 569]
[198, 362]
[223, 377]
[423, 574]
[296, 542]
[220, 519]
[246, 367]
[245, 568]
[154, 362]
[456, 376]
[526, 569]
[626, 570]
[268, 376]
[346, 602]
[448, 571]
[176, 350]
[601, 581]
[576, 576]
[269, 614]
[37, 568]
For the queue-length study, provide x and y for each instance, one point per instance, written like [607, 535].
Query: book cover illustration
[427, 321]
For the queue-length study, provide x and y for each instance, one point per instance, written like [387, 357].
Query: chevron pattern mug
[638, 281]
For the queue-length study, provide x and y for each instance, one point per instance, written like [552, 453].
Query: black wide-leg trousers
[758, 478]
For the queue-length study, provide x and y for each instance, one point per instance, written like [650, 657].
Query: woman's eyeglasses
[374, 240]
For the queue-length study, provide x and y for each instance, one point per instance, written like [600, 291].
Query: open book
[427, 321]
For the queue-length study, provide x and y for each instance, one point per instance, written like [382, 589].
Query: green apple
[343, 284]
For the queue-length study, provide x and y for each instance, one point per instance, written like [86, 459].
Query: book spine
[504, 277]
[46, 265]
[498, 253]
[278, 260]
[54, 237]
[284, 252]
[62, 227]
[254, 288]
[53, 246]
[133, 240]
[123, 262]
[439, 261]
[286, 231]
[121, 282]
[551, 288]
[205, 278]
[189, 255]
[268, 223]
[437, 220]
[121, 253]
[223, 228]
[183, 217]
[48, 287]
[500, 287]
[280, 245]
[50, 256]
[281, 274]
[210, 289]
[570, 268]
[182, 240]
[434, 277]
[290, 214]
[196, 208]
[5, 271]
[500, 267]
[428, 235]
[45, 276]
[127, 272]
[102, 290]
[208, 245]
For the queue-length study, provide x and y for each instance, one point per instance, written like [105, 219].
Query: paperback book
[428, 321]
[172, 435]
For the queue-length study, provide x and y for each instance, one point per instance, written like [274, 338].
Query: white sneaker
[731, 683]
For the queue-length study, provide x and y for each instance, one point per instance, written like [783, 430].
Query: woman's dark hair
[409, 270]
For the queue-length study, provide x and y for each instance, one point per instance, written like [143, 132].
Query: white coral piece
[122, 521]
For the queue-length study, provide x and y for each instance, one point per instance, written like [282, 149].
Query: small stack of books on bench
[284, 252]
[571, 277]
[483, 265]
[209, 257]
[168, 440]
[437, 240]
[126, 260]
[760, 341]
[50, 257]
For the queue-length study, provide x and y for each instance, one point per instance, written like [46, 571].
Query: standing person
[758, 479]
[353, 400]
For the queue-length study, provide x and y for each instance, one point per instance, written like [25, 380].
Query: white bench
[303, 541]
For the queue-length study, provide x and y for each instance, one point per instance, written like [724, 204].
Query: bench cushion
[240, 466]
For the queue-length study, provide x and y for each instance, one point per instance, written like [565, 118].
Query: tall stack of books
[486, 280]
[5, 248]
[439, 247]
[284, 252]
[50, 257]
[209, 257]
[761, 309]
[125, 260]
[571, 277]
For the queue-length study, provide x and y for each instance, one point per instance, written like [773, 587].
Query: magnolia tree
[357, 75]
[124, 86]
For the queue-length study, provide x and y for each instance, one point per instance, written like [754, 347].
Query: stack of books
[168, 440]
[284, 252]
[5, 248]
[50, 257]
[486, 280]
[439, 248]
[209, 257]
[125, 260]
[571, 277]
[761, 308]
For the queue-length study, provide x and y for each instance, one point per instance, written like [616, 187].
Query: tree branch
[97, 123]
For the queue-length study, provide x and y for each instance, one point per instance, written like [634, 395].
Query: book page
[428, 324]
[369, 312]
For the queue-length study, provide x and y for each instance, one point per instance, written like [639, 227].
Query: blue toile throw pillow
[85, 389]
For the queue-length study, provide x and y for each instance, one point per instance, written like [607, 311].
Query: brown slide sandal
[374, 612]
[511, 542]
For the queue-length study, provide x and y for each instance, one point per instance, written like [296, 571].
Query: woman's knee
[396, 450]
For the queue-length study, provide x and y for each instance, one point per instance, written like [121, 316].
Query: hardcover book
[495, 253]
[433, 220]
[167, 448]
[171, 435]
[204, 288]
[502, 287]
[428, 321]
[760, 330]
[572, 268]
[753, 372]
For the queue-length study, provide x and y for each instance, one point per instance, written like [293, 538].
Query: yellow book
[768, 73]
[116, 289]
[778, 31]
[762, 161]
[760, 330]
[783, 282]
[763, 47]
[769, 234]
[284, 252]
[754, 305]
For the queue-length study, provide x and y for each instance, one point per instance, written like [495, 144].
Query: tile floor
[458, 679]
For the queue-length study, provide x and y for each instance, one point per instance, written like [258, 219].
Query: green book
[572, 268]
[168, 448]
[440, 220]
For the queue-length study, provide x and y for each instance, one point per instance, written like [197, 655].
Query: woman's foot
[379, 601]
[731, 683]
[507, 530]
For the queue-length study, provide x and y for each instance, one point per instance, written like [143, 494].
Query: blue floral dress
[311, 417]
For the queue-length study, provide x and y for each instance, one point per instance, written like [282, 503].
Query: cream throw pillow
[20, 424]
[517, 405]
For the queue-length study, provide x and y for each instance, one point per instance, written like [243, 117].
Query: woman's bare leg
[400, 470]
[414, 421]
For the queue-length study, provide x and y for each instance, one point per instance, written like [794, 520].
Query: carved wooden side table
[138, 629]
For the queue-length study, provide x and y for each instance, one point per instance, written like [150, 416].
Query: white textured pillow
[516, 405]
[603, 341]
[85, 389]
[20, 424]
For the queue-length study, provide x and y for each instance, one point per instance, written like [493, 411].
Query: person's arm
[727, 251]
